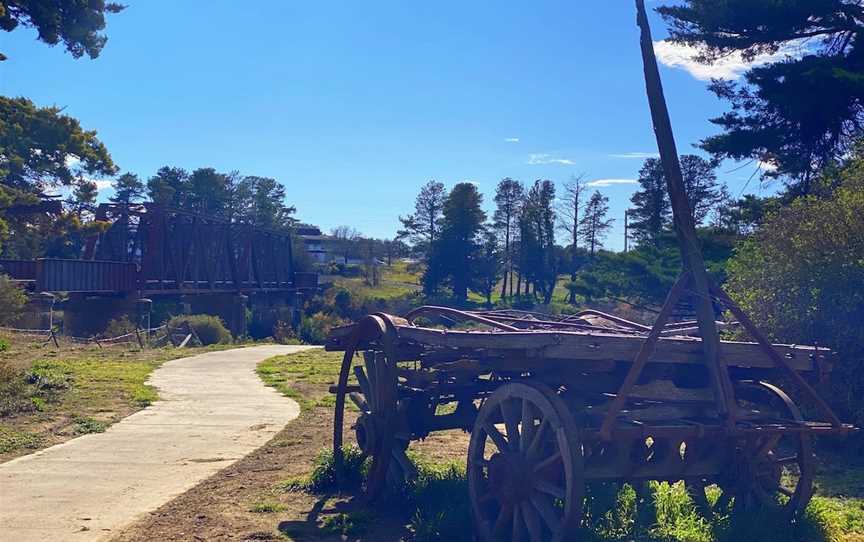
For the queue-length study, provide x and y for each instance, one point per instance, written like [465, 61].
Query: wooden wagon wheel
[525, 479]
[774, 469]
[376, 428]
[376, 436]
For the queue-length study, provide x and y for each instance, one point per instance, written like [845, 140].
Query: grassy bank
[49, 395]
[434, 507]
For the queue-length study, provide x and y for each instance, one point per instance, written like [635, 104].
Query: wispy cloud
[72, 162]
[730, 67]
[611, 182]
[542, 158]
[511, 139]
[635, 155]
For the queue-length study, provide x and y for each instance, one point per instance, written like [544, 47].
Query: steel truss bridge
[150, 249]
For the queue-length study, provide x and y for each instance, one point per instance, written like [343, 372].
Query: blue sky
[354, 106]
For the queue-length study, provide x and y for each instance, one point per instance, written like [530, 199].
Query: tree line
[516, 251]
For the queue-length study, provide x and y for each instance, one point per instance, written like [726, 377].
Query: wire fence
[141, 336]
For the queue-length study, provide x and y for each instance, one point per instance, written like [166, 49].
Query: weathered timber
[562, 345]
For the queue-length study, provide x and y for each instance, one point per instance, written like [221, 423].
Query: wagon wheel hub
[368, 431]
[509, 477]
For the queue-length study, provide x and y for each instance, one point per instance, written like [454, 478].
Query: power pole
[626, 233]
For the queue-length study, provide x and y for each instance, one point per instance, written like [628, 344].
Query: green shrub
[284, 334]
[12, 300]
[314, 329]
[799, 278]
[210, 329]
[439, 500]
[85, 425]
[50, 375]
[326, 477]
[4, 345]
[119, 326]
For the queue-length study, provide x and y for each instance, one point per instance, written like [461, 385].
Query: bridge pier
[87, 315]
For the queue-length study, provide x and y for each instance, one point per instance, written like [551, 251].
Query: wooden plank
[691, 252]
[600, 347]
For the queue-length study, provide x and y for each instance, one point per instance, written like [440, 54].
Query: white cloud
[511, 139]
[729, 67]
[767, 166]
[635, 155]
[102, 184]
[611, 182]
[535, 159]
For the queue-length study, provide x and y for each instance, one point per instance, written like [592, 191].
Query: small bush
[326, 477]
[119, 326]
[50, 376]
[4, 345]
[314, 329]
[14, 391]
[284, 334]
[210, 329]
[439, 497]
[85, 425]
[12, 300]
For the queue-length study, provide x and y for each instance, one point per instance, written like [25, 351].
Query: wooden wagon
[557, 405]
[535, 390]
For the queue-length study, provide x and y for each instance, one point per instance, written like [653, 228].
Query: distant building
[315, 242]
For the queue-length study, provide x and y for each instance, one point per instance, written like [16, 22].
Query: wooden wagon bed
[584, 349]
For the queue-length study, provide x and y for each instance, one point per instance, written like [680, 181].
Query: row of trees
[516, 249]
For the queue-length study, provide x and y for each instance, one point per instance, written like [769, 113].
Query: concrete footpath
[213, 410]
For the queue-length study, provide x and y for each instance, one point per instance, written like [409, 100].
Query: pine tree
[456, 249]
[423, 227]
[652, 210]
[508, 199]
[594, 224]
[128, 188]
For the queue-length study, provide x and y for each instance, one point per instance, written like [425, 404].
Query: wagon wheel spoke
[537, 441]
[532, 521]
[550, 489]
[511, 422]
[504, 517]
[518, 525]
[408, 469]
[547, 511]
[527, 426]
[496, 436]
[359, 402]
[372, 378]
[548, 462]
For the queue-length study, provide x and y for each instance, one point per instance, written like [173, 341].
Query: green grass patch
[12, 440]
[266, 507]
[327, 477]
[347, 524]
[85, 425]
[436, 508]
[304, 376]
